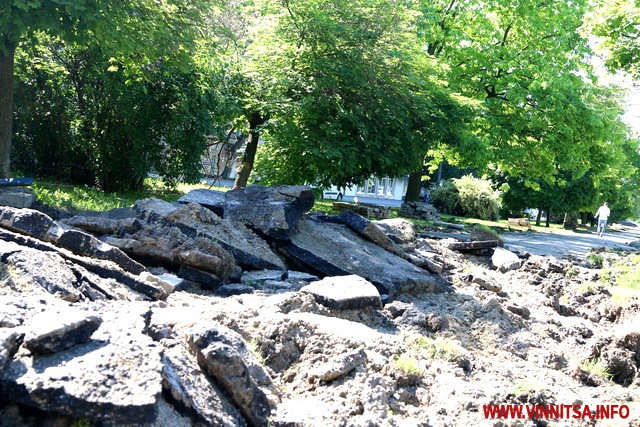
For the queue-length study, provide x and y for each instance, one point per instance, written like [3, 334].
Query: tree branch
[506, 34]
[286, 5]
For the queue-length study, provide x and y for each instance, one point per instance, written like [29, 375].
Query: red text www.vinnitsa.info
[556, 412]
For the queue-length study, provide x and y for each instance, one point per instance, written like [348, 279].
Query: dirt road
[562, 243]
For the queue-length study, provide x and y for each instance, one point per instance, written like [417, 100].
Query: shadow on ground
[568, 243]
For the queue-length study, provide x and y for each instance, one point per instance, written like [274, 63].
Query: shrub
[106, 128]
[446, 199]
[468, 196]
[478, 198]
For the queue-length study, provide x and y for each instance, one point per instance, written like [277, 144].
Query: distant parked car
[629, 223]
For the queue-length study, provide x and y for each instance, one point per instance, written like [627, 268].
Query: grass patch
[439, 348]
[623, 296]
[254, 348]
[324, 205]
[421, 224]
[623, 280]
[595, 260]
[628, 273]
[572, 272]
[501, 224]
[407, 365]
[78, 197]
[597, 368]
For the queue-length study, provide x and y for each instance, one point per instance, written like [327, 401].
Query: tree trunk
[413, 186]
[548, 219]
[439, 176]
[538, 217]
[6, 109]
[246, 165]
[570, 221]
[583, 218]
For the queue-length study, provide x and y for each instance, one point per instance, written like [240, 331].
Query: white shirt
[603, 213]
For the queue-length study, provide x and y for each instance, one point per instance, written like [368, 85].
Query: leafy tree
[542, 121]
[617, 23]
[351, 93]
[116, 120]
[611, 175]
[520, 58]
[144, 29]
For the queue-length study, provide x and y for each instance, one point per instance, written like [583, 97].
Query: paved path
[563, 242]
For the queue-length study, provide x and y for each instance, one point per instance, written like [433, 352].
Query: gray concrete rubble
[240, 309]
[344, 292]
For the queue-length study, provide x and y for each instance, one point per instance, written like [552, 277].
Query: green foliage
[323, 205]
[468, 196]
[347, 90]
[617, 23]
[137, 33]
[76, 198]
[542, 120]
[440, 348]
[103, 107]
[352, 93]
[86, 116]
[408, 365]
[627, 273]
[478, 198]
[622, 279]
[610, 175]
[446, 198]
[595, 260]
[597, 368]
[573, 272]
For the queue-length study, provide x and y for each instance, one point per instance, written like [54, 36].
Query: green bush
[446, 199]
[85, 117]
[468, 196]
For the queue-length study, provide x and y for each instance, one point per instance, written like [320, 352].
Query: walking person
[602, 215]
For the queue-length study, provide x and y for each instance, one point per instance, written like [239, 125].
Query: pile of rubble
[240, 309]
[419, 210]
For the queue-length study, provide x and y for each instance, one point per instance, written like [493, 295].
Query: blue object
[5, 182]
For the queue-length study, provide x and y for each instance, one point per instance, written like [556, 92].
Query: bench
[519, 223]
[13, 193]
[15, 182]
[367, 210]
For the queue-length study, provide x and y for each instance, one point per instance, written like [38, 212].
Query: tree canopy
[338, 91]
[139, 33]
[617, 24]
[352, 95]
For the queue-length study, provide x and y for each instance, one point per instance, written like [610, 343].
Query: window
[388, 192]
[382, 187]
[378, 188]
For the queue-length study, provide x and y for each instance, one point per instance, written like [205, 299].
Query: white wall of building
[384, 190]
